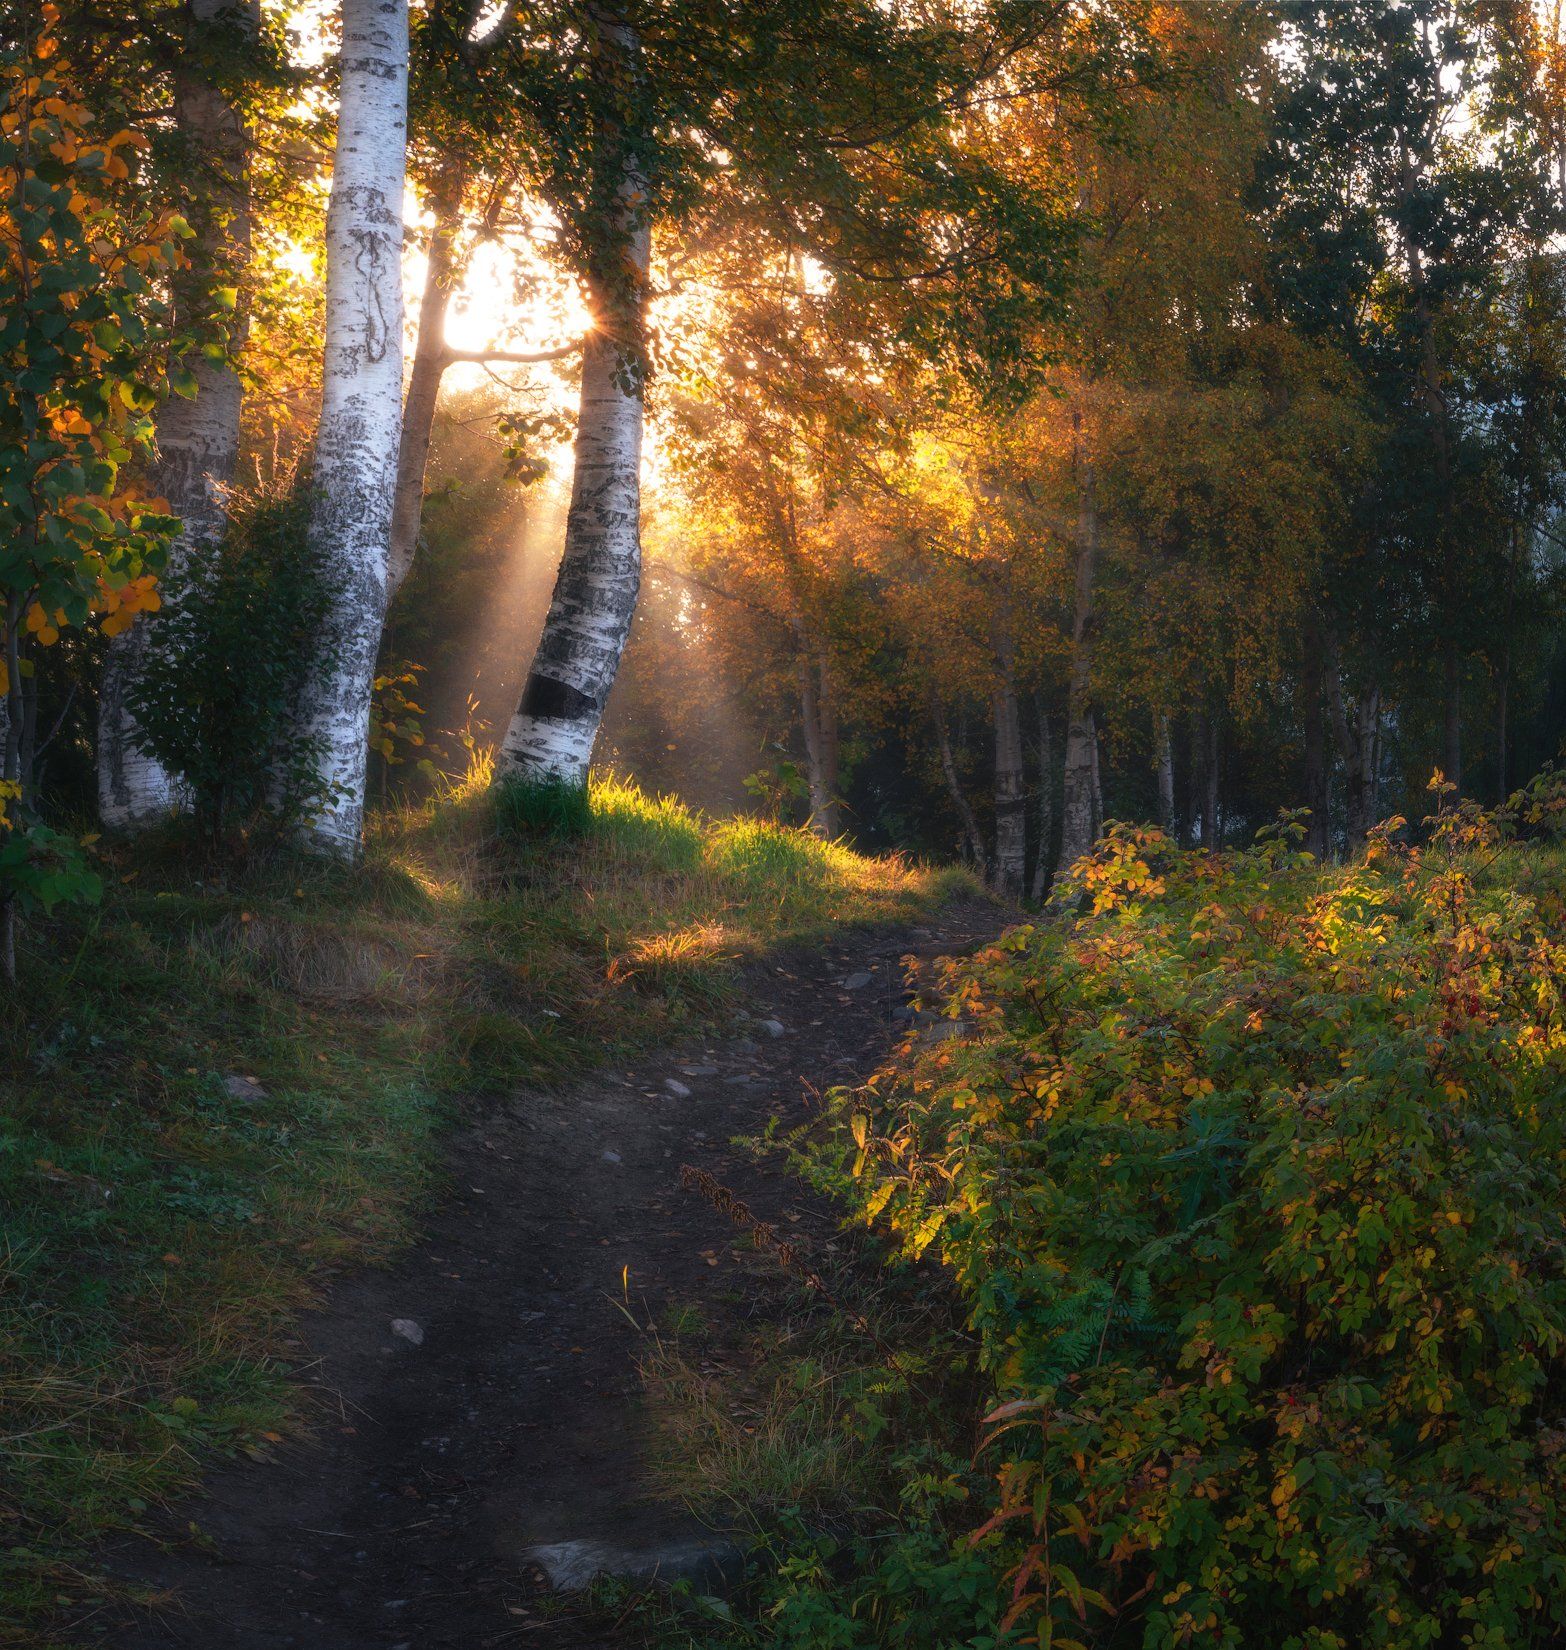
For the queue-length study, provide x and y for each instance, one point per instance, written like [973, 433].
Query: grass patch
[226, 1082]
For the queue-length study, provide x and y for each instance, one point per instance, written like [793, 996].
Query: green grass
[161, 1224]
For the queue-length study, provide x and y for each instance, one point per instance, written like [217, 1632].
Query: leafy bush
[216, 700]
[1253, 1181]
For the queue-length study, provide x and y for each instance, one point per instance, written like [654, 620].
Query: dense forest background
[1125, 410]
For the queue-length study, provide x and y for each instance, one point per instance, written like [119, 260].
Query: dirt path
[479, 1403]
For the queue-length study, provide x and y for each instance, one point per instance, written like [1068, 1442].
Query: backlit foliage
[81, 308]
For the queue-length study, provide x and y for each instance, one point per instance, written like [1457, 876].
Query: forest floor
[476, 1430]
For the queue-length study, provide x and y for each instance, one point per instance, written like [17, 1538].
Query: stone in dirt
[773, 1028]
[858, 980]
[406, 1329]
[571, 1566]
[676, 1088]
[247, 1090]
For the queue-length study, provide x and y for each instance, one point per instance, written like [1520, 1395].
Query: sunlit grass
[161, 1225]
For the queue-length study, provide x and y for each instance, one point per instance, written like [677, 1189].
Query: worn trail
[478, 1431]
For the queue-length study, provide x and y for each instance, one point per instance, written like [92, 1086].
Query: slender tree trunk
[1041, 859]
[1503, 672]
[1098, 789]
[1076, 812]
[1163, 756]
[357, 440]
[198, 437]
[1434, 396]
[1452, 717]
[1317, 833]
[1011, 803]
[424, 379]
[1369, 720]
[589, 620]
[1210, 781]
[970, 823]
[1359, 745]
[818, 713]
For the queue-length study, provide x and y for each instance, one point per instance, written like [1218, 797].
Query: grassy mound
[1251, 1183]
[219, 1085]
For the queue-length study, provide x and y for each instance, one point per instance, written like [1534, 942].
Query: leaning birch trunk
[1076, 812]
[551, 736]
[356, 445]
[198, 436]
[1011, 818]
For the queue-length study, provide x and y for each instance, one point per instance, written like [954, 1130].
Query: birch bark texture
[354, 477]
[551, 735]
[198, 436]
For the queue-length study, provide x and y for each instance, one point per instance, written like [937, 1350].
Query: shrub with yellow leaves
[1252, 1181]
[84, 327]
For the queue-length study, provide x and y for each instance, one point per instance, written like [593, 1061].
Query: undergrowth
[1250, 1180]
[227, 1081]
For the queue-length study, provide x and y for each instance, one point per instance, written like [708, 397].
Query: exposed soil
[495, 1437]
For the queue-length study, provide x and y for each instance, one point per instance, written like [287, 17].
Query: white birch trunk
[551, 735]
[357, 440]
[198, 438]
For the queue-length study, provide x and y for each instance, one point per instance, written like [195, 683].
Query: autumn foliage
[1250, 1180]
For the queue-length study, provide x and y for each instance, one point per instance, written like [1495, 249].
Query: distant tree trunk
[424, 379]
[1312, 718]
[1163, 757]
[1041, 860]
[1503, 673]
[589, 619]
[1098, 789]
[357, 439]
[1210, 781]
[1076, 812]
[1011, 803]
[1452, 717]
[970, 824]
[198, 436]
[1359, 745]
[818, 712]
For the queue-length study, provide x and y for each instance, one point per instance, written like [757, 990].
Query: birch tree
[197, 432]
[355, 471]
[551, 735]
